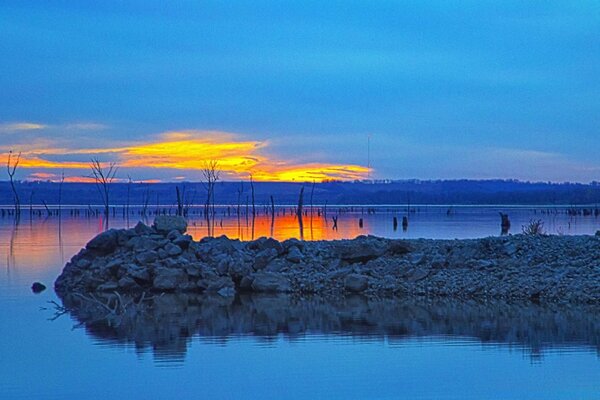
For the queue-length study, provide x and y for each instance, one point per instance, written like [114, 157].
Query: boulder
[146, 257]
[142, 229]
[38, 287]
[361, 249]
[183, 241]
[264, 243]
[270, 282]
[167, 223]
[138, 273]
[356, 283]
[294, 255]
[105, 242]
[264, 257]
[169, 279]
[173, 250]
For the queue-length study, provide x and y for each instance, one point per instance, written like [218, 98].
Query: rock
[142, 229]
[146, 257]
[246, 283]
[167, 223]
[169, 279]
[138, 273]
[38, 287]
[270, 282]
[141, 243]
[127, 282]
[173, 250]
[294, 255]
[83, 263]
[356, 283]
[105, 242]
[264, 257]
[398, 247]
[220, 284]
[183, 241]
[174, 234]
[193, 270]
[264, 243]
[510, 249]
[108, 286]
[419, 274]
[361, 249]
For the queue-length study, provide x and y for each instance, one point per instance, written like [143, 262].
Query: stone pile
[162, 258]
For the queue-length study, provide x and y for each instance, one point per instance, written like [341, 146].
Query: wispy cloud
[190, 151]
[21, 126]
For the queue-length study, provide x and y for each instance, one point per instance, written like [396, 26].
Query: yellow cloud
[191, 150]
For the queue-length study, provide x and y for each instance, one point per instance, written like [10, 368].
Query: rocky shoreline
[162, 258]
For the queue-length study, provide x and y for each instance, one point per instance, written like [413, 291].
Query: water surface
[282, 346]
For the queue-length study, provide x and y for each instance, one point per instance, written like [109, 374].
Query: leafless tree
[104, 177]
[11, 167]
[211, 174]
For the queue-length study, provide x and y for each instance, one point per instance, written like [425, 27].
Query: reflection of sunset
[43, 244]
[284, 227]
[190, 151]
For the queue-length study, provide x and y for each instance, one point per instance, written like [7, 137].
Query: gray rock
[264, 243]
[219, 284]
[142, 229]
[105, 242]
[294, 255]
[174, 234]
[183, 241]
[173, 250]
[108, 286]
[361, 249]
[138, 273]
[356, 283]
[146, 257]
[83, 263]
[169, 279]
[263, 258]
[127, 282]
[167, 223]
[246, 283]
[270, 282]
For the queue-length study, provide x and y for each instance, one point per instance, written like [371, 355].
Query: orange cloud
[191, 150]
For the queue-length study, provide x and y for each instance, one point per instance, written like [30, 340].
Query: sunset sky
[292, 90]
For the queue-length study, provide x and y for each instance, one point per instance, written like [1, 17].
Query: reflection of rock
[167, 322]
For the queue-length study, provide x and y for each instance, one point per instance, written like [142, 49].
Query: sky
[303, 90]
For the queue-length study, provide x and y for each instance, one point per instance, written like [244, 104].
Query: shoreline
[161, 258]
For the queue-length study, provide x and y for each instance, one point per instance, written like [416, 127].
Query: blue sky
[446, 89]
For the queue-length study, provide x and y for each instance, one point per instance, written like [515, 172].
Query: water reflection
[166, 323]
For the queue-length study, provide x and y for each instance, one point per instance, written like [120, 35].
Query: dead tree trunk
[300, 205]
[11, 167]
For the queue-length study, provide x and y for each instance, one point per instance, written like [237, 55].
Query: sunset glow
[186, 151]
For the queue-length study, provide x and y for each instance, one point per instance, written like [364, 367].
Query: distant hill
[452, 192]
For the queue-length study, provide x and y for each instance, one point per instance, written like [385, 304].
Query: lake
[288, 347]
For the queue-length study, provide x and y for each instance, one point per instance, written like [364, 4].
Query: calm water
[283, 347]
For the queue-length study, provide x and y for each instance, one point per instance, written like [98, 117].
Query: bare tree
[11, 167]
[104, 176]
[211, 174]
